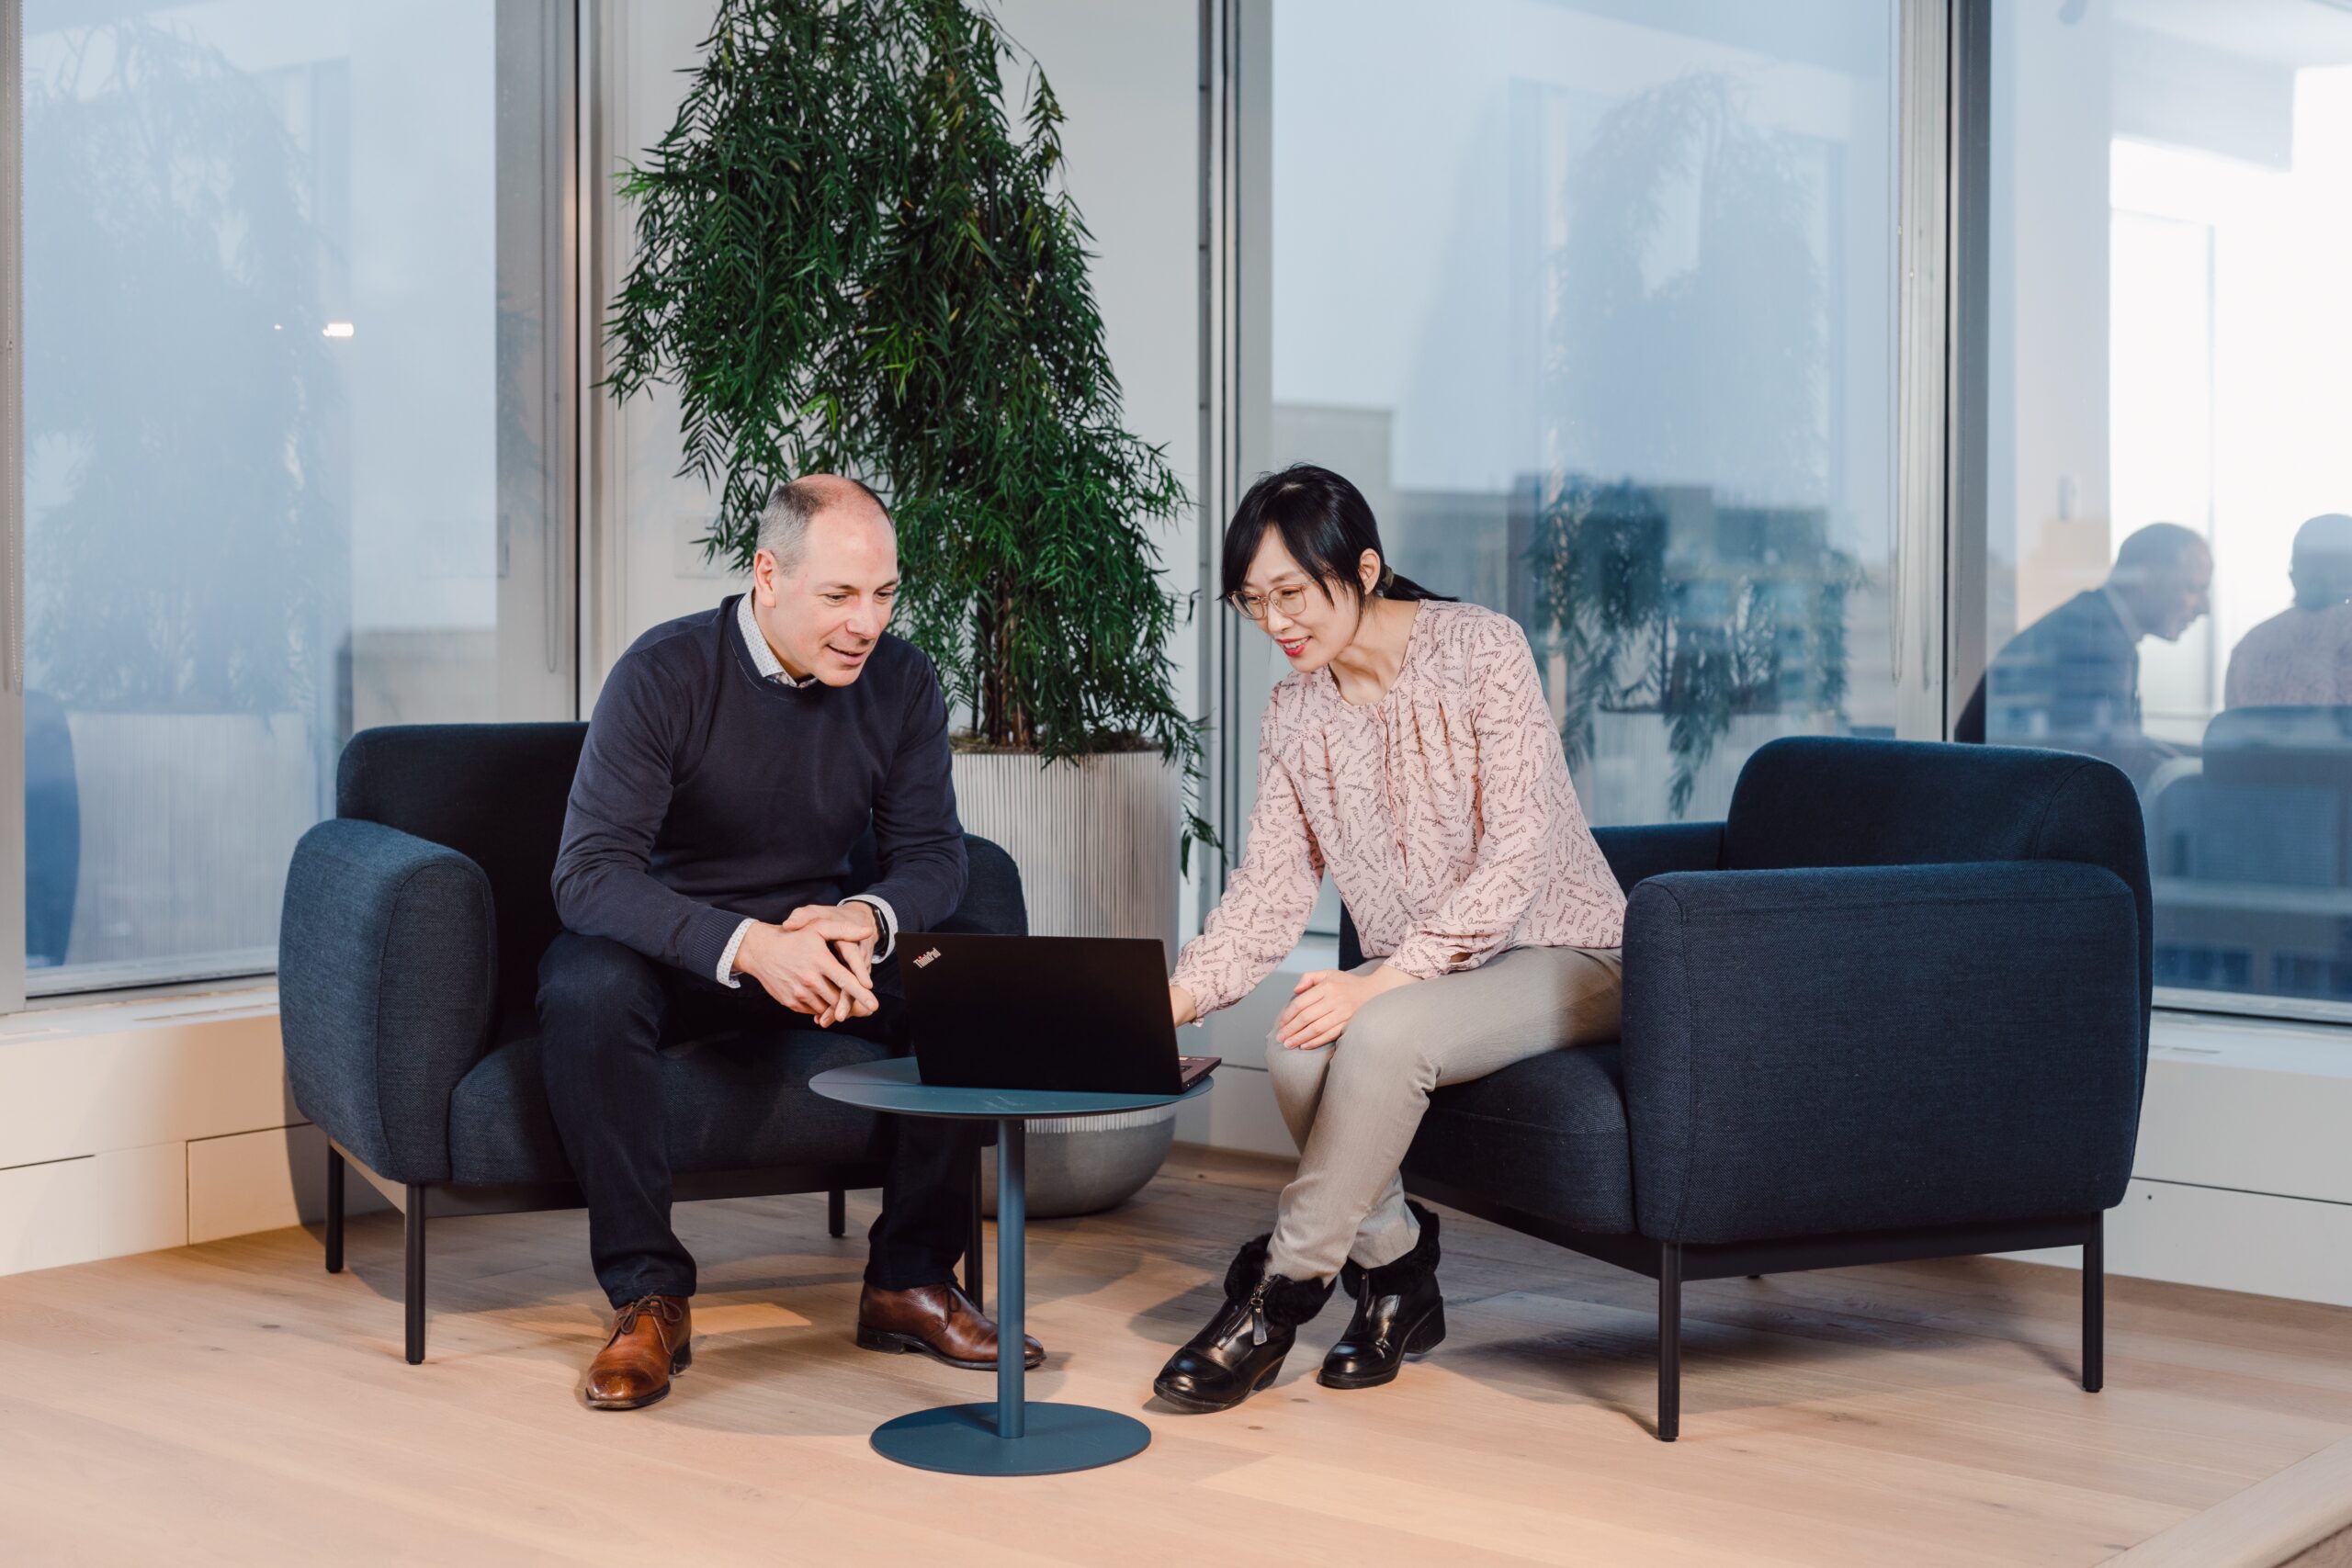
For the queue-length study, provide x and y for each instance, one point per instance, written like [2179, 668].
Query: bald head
[2163, 572]
[825, 577]
[796, 504]
[2322, 571]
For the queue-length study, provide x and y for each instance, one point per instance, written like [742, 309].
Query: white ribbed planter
[1096, 844]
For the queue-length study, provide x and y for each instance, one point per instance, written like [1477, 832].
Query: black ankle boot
[1398, 1313]
[1243, 1346]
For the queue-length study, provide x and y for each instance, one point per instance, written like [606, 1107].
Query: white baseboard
[95, 1205]
[115, 1120]
[262, 1181]
[2231, 1241]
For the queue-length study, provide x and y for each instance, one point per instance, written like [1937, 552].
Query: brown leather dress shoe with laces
[652, 1342]
[938, 1321]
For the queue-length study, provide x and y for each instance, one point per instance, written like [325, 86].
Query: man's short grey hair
[796, 503]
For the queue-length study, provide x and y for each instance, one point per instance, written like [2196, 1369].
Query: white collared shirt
[2123, 613]
[771, 668]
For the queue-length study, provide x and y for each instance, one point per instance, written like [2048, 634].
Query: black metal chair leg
[1669, 1341]
[412, 1286]
[975, 1272]
[334, 1209]
[836, 1213]
[2095, 1308]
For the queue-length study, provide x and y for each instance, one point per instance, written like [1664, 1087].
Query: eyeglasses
[1290, 599]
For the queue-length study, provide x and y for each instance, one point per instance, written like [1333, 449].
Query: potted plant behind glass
[1704, 588]
[850, 260]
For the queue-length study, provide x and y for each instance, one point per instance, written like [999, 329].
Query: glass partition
[295, 426]
[1595, 303]
[2170, 573]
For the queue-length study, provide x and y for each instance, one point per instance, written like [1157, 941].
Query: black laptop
[1087, 1014]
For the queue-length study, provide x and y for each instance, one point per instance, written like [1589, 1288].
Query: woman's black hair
[1325, 524]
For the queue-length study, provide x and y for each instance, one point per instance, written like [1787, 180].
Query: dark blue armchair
[408, 965]
[1894, 1006]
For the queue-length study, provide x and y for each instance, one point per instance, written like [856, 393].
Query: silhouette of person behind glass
[2070, 681]
[2302, 656]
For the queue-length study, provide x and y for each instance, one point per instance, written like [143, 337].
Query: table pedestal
[1011, 1437]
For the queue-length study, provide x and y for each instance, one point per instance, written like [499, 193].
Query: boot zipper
[1258, 1315]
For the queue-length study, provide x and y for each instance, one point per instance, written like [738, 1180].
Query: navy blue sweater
[705, 794]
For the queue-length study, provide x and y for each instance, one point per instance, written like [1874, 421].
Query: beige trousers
[1353, 1105]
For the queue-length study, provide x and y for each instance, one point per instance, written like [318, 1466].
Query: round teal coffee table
[1009, 1437]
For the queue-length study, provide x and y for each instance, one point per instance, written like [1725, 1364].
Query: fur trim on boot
[1388, 1275]
[1288, 1302]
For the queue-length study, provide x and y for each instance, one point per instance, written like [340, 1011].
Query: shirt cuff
[885, 917]
[726, 959]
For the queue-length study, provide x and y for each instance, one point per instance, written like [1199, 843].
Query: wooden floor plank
[232, 1402]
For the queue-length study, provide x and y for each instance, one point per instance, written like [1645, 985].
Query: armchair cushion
[1547, 1135]
[734, 1101]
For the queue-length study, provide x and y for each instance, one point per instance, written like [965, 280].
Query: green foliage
[1670, 598]
[849, 260]
[1664, 603]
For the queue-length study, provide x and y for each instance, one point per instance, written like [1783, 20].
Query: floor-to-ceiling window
[1597, 303]
[295, 421]
[2167, 567]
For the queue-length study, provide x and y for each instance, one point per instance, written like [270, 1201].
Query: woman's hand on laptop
[1324, 1000]
[1182, 1004]
[800, 970]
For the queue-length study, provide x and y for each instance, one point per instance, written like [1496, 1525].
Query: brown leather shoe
[653, 1340]
[938, 1321]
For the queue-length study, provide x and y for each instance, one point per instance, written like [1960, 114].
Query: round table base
[960, 1439]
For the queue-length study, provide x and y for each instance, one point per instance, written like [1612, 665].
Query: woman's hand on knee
[1325, 1000]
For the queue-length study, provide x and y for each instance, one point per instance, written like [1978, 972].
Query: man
[735, 758]
[2072, 678]
[2302, 656]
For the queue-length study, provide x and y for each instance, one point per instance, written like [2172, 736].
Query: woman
[1408, 751]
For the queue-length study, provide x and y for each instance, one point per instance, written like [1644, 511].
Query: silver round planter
[1081, 1165]
[1096, 844]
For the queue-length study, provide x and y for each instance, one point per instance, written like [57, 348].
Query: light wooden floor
[2334, 1552]
[234, 1403]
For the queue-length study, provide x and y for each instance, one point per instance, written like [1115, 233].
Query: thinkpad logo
[924, 960]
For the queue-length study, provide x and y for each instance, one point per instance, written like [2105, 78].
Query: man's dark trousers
[606, 1011]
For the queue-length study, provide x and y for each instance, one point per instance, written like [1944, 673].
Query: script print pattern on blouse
[1443, 811]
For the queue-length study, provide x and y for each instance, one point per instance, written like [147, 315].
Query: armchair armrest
[387, 975]
[1861, 1048]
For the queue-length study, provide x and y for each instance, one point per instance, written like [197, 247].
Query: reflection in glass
[1602, 329]
[285, 396]
[2072, 678]
[2169, 202]
[2302, 655]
